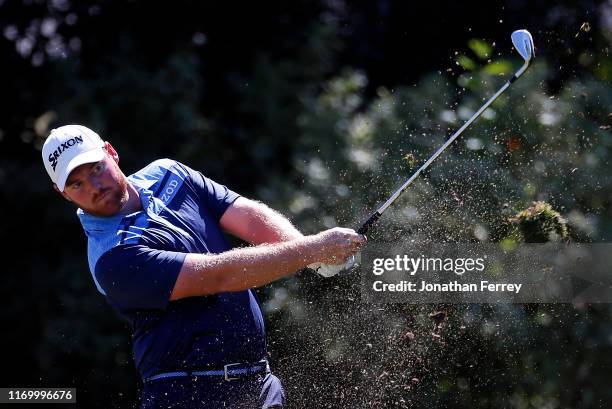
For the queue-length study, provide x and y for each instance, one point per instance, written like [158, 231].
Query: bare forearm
[256, 223]
[269, 226]
[279, 227]
[243, 268]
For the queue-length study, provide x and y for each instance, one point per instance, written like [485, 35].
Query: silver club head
[523, 42]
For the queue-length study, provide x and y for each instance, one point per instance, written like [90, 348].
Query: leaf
[466, 62]
[498, 67]
[481, 48]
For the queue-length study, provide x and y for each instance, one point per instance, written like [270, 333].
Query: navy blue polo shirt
[135, 260]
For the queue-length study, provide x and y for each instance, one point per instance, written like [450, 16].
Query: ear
[111, 151]
[63, 194]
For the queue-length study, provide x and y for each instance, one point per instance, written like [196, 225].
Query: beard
[112, 200]
[121, 195]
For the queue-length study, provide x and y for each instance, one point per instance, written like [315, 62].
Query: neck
[133, 201]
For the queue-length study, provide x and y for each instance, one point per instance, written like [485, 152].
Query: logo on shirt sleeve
[169, 190]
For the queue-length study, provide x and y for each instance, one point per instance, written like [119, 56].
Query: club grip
[366, 226]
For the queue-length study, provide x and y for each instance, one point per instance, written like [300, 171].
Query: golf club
[523, 42]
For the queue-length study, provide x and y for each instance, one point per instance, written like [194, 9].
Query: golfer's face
[98, 188]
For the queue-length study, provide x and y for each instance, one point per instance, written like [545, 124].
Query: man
[156, 251]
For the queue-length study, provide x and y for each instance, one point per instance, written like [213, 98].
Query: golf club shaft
[376, 215]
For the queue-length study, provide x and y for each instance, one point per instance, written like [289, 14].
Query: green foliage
[481, 48]
[539, 223]
[498, 67]
[353, 154]
[466, 62]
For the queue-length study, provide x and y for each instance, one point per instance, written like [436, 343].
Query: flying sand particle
[585, 27]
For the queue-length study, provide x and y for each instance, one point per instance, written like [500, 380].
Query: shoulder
[157, 171]
[159, 168]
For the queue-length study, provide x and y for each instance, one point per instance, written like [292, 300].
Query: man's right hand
[338, 244]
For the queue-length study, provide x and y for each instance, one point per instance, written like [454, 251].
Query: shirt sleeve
[138, 277]
[215, 196]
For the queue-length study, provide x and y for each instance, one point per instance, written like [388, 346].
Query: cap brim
[94, 155]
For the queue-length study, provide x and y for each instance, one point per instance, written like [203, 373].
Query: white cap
[68, 147]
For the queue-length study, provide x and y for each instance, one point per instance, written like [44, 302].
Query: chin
[109, 207]
[105, 211]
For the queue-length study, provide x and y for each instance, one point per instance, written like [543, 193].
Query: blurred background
[319, 109]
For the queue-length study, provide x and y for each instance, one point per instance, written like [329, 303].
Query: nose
[95, 183]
